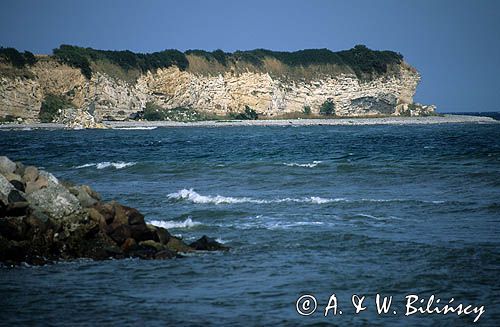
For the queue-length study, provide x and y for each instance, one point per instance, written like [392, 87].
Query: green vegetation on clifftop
[365, 63]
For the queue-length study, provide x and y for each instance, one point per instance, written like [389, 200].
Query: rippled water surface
[348, 210]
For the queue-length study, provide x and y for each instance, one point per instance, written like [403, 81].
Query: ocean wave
[308, 165]
[137, 128]
[106, 164]
[188, 223]
[194, 197]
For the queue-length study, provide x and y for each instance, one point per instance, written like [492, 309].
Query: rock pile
[77, 119]
[43, 219]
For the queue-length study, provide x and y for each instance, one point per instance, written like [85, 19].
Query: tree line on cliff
[364, 62]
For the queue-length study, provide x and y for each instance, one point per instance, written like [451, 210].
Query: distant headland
[83, 87]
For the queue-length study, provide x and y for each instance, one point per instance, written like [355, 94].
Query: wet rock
[152, 244]
[129, 245]
[7, 165]
[163, 235]
[206, 243]
[120, 214]
[107, 210]
[12, 228]
[177, 245]
[134, 216]
[3, 209]
[120, 234]
[30, 174]
[17, 209]
[55, 220]
[165, 254]
[142, 233]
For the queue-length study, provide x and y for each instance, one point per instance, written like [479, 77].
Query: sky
[454, 44]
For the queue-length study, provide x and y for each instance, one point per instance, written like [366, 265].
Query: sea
[319, 219]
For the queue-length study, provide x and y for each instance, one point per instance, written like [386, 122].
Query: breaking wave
[308, 165]
[194, 197]
[106, 164]
[188, 223]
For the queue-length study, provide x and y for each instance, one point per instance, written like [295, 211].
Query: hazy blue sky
[455, 44]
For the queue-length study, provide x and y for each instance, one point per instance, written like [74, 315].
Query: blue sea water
[366, 210]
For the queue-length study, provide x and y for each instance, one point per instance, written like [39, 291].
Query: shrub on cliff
[217, 55]
[153, 112]
[248, 114]
[306, 110]
[83, 57]
[16, 58]
[51, 105]
[327, 108]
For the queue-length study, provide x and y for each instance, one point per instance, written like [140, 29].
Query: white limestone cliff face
[271, 96]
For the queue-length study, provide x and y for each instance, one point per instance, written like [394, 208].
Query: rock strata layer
[43, 219]
[103, 97]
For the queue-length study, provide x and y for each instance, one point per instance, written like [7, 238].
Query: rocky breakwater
[43, 219]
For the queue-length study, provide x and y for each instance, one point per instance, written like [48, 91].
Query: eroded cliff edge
[113, 85]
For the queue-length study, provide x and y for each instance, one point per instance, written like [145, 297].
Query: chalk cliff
[272, 87]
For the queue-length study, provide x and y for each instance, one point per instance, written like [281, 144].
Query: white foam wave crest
[220, 240]
[307, 165]
[188, 223]
[106, 164]
[194, 197]
[137, 128]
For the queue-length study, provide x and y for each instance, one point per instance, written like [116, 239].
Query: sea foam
[106, 164]
[307, 165]
[194, 197]
[188, 223]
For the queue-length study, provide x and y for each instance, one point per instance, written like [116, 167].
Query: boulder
[120, 234]
[128, 245]
[17, 209]
[30, 174]
[19, 168]
[206, 243]
[107, 210]
[5, 188]
[134, 216]
[163, 234]
[142, 233]
[18, 185]
[120, 214]
[51, 179]
[165, 254]
[13, 177]
[7, 165]
[91, 192]
[152, 244]
[177, 245]
[85, 199]
[13, 228]
[42, 219]
[55, 201]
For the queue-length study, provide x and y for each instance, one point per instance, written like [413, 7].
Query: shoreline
[352, 121]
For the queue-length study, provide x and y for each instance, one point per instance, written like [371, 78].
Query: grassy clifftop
[365, 63]
[360, 60]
